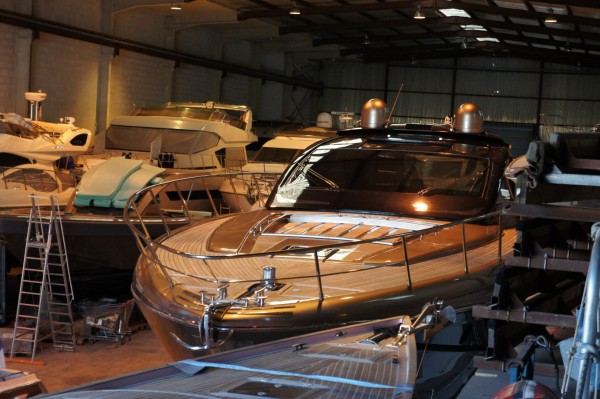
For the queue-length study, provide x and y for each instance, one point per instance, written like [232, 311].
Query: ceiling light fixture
[419, 14]
[176, 7]
[294, 10]
[550, 18]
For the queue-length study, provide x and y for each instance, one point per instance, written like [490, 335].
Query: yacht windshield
[410, 178]
[230, 116]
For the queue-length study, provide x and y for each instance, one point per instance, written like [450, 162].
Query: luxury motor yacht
[360, 226]
[205, 136]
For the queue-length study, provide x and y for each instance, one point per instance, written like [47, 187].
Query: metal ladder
[45, 284]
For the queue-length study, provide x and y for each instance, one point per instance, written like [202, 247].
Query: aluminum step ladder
[46, 292]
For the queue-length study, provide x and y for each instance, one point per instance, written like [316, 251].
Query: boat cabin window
[133, 138]
[276, 155]
[39, 180]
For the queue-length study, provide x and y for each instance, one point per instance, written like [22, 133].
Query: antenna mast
[394, 106]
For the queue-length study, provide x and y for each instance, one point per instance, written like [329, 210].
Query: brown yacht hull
[305, 317]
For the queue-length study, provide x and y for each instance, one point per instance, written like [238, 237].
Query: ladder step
[31, 281]
[31, 293]
[34, 269]
[24, 339]
[25, 328]
[31, 305]
[34, 258]
[24, 316]
[36, 244]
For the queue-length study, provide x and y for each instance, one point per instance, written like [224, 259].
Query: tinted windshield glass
[347, 175]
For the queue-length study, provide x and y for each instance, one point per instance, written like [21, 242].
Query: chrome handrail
[149, 246]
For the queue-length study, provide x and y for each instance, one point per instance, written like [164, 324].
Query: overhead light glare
[454, 12]
[366, 40]
[294, 10]
[487, 39]
[419, 14]
[550, 18]
[473, 27]
[176, 7]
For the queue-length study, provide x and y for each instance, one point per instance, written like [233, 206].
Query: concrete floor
[94, 361]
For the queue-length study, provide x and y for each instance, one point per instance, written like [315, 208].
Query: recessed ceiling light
[176, 7]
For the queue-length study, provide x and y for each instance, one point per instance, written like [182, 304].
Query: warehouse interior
[531, 67]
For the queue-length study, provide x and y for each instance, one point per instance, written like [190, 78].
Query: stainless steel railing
[150, 246]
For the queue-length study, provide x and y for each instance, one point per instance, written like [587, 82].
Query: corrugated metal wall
[516, 96]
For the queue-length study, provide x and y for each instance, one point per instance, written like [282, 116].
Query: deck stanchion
[406, 262]
[464, 243]
[318, 267]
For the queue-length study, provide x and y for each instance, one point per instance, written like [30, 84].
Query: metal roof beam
[47, 26]
[377, 6]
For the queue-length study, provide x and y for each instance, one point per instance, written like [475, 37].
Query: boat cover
[113, 182]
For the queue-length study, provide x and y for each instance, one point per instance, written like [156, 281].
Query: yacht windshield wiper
[330, 183]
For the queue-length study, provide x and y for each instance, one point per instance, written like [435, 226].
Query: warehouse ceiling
[379, 31]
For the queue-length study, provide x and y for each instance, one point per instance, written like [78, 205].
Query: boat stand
[554, 262]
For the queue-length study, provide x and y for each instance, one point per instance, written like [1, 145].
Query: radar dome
[374, 114]
[325, 120]
[468, 119]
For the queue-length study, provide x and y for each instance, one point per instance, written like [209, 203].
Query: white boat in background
[37, 141]
[205, 136]
[155, 144]
[245, 192]
[35, 158]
